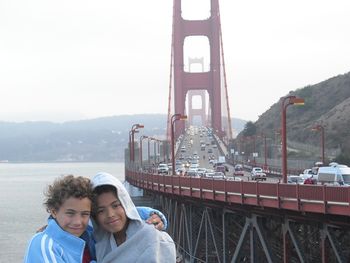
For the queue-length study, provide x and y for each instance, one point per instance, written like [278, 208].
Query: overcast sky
[75, 59]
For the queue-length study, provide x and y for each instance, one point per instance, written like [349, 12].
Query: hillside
[101, 139]
[326, 103]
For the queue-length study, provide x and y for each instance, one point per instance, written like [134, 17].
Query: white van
[335, 175]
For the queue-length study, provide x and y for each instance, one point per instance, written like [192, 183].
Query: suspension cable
[170, 75]
[225, 81]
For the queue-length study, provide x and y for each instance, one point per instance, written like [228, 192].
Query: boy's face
[110, 213]
[74, 214]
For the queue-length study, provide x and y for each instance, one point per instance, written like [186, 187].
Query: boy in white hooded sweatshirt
[121, 235]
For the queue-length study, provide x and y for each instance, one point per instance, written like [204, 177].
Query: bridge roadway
[192, 141]
[249, 221]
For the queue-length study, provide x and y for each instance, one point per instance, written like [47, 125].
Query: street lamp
[158, 149]
[254, 149]
[149, 151]
[243, 148]
[263, 136]
[285, 102]
[320, 128]
[265, 152]
[173, 119]
[164, 150]
[134, 129]
[141, 138]
[155, 148]
[130, 144]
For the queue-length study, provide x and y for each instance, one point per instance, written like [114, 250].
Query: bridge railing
[303, 198]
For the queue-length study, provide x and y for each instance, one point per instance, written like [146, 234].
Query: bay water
[21, 199]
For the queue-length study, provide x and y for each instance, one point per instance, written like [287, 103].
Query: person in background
[68, 235]
[309, 180]
[121, 235]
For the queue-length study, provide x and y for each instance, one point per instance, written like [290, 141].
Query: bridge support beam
[253, 226]
[288, 232]
[326, 235]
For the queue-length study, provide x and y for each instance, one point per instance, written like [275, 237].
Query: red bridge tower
[209, 81]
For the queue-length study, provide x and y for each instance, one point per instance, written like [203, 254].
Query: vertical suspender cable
[225, 82]
[170, 77]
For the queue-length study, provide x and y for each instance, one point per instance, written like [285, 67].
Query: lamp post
[254, 149]
[164, 150]
[134, 129]
[173, 119]
[158, 150]
[285, 102]
[243, 149]
[155, 150]
[277, 142]
[131, 143]
[320, 128]
[149, 151]
[265, 150]
[141, 138]
[155, 147]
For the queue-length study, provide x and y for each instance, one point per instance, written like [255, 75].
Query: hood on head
[103, 178]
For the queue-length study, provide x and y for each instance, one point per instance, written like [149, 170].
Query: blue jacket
[56, 245]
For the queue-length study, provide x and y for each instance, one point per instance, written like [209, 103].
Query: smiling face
[110, 214]
[73, 215]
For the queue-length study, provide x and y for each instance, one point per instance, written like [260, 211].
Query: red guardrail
[304, 198]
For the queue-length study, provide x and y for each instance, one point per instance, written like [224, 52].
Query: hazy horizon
[74, 117]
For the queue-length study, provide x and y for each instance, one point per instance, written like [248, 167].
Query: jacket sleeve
[145, 212]
[40, 250]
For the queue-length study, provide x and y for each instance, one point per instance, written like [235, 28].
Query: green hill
[327, 104]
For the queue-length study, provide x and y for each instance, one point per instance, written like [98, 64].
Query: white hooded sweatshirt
[144, 243]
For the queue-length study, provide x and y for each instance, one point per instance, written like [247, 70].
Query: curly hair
[65, 187]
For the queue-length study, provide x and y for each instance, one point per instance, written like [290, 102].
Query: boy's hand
[156, 221]
[41, 229]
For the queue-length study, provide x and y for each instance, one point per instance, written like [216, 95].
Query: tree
[249, 129]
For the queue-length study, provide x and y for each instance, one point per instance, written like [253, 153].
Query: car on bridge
[179, 164]
[194, 165]
[238, 170]
[221, 168]
[295, 179]
[180, 171]
[183, 149]
[163, 168]
[215, 175]
[233, 178]
[201, 171]
[337, 174]
[307, 173]
[257, 174]
[191, 172]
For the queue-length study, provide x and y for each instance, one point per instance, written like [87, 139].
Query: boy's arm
[153, 216]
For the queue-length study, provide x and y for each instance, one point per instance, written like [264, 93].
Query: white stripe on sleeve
[52, 255]
[43, 250]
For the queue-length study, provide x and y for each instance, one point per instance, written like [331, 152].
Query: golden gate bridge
[226, 220]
